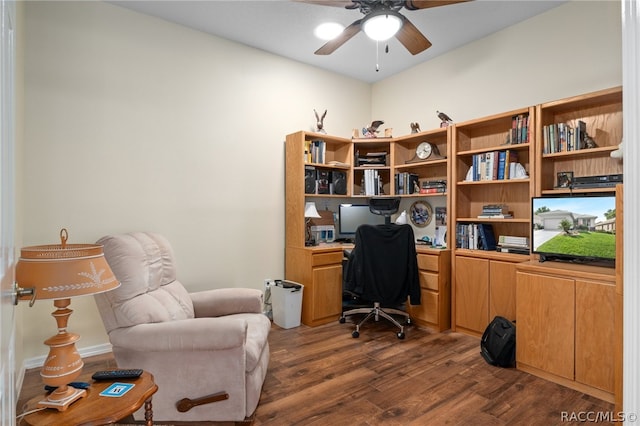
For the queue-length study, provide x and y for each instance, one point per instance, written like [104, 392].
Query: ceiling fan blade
[425, 4]
[344, 37]
[412, 38]
[336, 3]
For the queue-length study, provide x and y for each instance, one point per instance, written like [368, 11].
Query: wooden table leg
[148, 412]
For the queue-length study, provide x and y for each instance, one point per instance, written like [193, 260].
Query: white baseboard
[36, 362]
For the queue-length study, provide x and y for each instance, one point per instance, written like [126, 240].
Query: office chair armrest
[226, 301]
[195, 334]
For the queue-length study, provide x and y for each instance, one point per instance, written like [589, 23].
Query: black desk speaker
[339, 180]
[309, 181]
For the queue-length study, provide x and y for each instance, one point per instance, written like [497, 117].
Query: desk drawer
[429, 280]
[428, 310]
[428, 262]
[332, 258]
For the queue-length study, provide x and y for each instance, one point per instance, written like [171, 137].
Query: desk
[319, 269]
[94, 409]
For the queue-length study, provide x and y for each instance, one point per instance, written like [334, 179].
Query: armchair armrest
[196, 334]
[226, 301]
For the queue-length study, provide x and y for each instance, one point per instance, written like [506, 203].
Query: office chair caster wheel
[355, 334]
[400, 335]
[342, 320]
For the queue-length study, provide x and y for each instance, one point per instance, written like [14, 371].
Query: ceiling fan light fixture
[382, 25]
[328, 30]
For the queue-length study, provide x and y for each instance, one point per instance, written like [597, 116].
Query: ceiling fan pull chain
[377, 56]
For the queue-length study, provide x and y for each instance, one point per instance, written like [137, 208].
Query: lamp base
[63, 402]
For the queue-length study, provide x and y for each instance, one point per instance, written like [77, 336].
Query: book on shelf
[519, 129]
[495, 209]
[496, 216]
[475, 236]
[406, 183]
[371, 183]
[563, 137]
[487, 237]
[493, 165]
[314, 151]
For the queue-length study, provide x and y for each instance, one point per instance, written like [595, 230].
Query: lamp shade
[383, 25]
[61, 271]
[310, 210]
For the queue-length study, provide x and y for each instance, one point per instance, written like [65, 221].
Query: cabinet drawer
[319, 259]
[428, 262]
[429, 280]
[428, 309]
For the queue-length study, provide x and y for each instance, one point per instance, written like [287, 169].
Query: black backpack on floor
[498, 344]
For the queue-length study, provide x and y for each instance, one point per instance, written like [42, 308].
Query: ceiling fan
[407, 33]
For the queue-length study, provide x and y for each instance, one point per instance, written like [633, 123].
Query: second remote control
[133, 373]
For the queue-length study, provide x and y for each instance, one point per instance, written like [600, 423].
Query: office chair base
[376, 312]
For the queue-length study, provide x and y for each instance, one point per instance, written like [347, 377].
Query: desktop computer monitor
[351, 216]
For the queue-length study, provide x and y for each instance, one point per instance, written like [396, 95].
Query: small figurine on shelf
[415, 128]
[445, 119]
[320, 121]
[371, 131]
[589, 142]
[618, 153]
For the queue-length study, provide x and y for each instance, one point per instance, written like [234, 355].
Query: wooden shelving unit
[483, 282]
[602, 113]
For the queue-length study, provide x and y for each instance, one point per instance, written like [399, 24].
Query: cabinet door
[595, 343]
[502, 289]
[546, 323]
[327, 292]
[472, 293]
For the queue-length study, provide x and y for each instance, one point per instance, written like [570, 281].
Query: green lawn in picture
[590, 244]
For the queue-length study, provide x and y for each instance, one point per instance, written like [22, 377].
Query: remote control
[133, 373]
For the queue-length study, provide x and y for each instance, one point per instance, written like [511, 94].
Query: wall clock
[421, 213]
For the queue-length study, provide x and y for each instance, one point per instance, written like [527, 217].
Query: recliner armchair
[210, 346]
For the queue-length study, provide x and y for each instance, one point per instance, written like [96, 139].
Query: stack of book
[433, 187]
[519, 129]
[495, 211]
[562, 137]
[493, 165]
[371, 183]
[475, 236]
[315, 151]
[513, 244]
[406, 183]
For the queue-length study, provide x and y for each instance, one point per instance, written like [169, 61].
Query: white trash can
[286, 303]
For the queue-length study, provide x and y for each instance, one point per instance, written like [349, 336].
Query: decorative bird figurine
[445, 119]
[415, 128]
[370, 132]
[320, 121]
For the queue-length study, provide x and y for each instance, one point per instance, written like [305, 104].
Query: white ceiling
[285, 28]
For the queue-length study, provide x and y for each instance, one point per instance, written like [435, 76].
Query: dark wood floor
[323, 376]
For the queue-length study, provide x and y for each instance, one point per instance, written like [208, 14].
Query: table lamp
[310, 212]
[58, 273]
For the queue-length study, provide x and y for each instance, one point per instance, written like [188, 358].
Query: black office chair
[383, 269]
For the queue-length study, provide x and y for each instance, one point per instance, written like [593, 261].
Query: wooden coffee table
[95, 409]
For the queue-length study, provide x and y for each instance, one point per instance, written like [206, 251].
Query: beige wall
[569, 50]
[132, 123]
